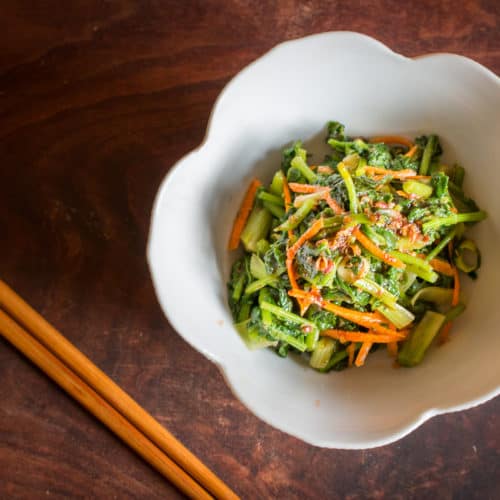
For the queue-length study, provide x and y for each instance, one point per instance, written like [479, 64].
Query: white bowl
[290, 93]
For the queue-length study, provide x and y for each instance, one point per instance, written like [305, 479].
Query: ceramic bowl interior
[288, 94]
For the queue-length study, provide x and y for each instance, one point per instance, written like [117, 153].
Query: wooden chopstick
[123, 415]
[74, 386]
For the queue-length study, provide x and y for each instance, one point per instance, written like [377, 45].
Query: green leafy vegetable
[257, 228]
[420, 339]
[364, 254]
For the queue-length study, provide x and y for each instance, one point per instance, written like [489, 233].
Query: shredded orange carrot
[348, 336]
[333, 204]
[302, 198]
[291, 274]
[306, 235]
[304, 305]
[243, 213]
[351, 349]
[393, 139]
[315, 296]
[292, 251]
[444, 336]
[371, 321]
[406, 173]
[411, 151]
[403, 194]
[297, 187]
[362, 353]
[324, 169]
[456, 288]
[392, 349]
[441, 266]
[290, 255]
[376, 251]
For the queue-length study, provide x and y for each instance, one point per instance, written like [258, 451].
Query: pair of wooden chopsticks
[23, 327]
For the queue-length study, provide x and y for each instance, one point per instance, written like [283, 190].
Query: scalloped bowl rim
[404, 428]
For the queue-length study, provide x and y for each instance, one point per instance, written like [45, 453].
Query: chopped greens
[359, 250]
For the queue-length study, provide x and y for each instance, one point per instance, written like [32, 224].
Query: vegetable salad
[359, 251]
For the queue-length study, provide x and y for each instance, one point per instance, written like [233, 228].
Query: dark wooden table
[98, 98]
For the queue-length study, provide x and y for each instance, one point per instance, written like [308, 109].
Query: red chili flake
[329, 267]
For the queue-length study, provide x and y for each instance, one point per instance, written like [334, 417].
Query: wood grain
[97, 99]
